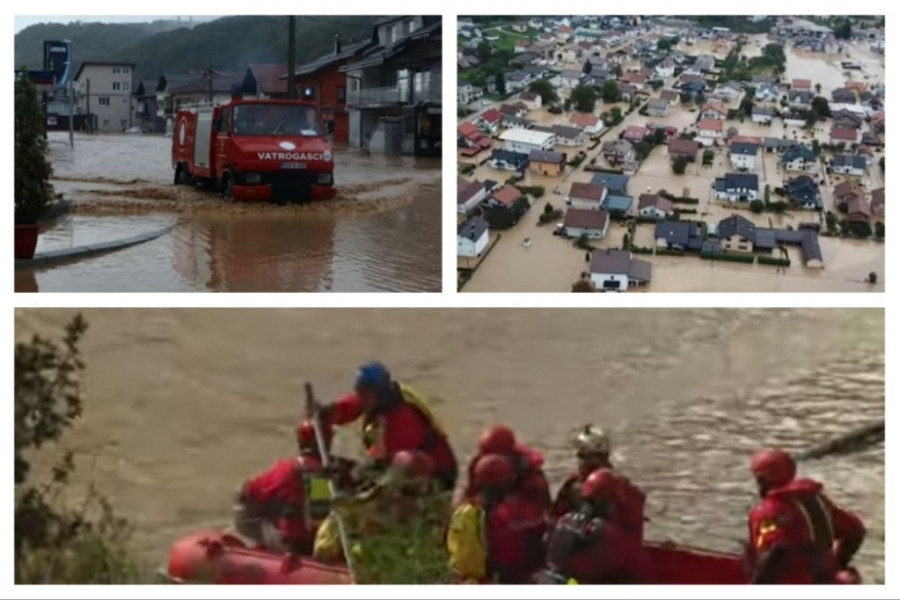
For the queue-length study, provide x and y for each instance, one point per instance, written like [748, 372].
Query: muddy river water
[183, 404]
[382, 232]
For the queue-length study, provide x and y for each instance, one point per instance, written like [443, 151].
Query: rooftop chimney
[337, 44]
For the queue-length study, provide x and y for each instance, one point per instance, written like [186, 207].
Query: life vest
[467, 542]
[317, 492]
[372, 431]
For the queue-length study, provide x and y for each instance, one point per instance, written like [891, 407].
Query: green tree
[587, 68]
[583, 285]
[818, 88]
[708, 156]
[500, 82]
[615, 115]
[484, 51]
[767, 195]
[820, 107]
[609, 92]
[679, 164]
[548, 209]
[843, 30]
[879, 230]
[756, 206]
[831, 222]
[663, 45]
[544, 89]
[625, 242]
[584, 98]
[32, 191]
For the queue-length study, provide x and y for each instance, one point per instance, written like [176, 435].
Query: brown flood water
[175, 423]
[382, 232]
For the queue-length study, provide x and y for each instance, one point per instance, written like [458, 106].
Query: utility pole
[292, 56]
[71, 94]
[90, 117]
[210, 77]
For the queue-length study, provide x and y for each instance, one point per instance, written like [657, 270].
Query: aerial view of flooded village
[671, 154]
[237, 153]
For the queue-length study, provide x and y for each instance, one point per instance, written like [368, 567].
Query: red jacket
[402, 427]
[531, 483]
[278, 495]
[811, 531]
[514, 530]
[597, 551]
[629, 506]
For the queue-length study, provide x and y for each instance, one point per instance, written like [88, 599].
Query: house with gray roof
[849, 164]
[472, 237]
[798, 158]
[801, 98]
[678, 235]
[803, 191]
[761, 114]
[617, 270]
[737, 187]
[657, 107]
[615, 184]
[743, 155]
[508, 161]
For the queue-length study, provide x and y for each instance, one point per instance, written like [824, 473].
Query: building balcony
[393, 96]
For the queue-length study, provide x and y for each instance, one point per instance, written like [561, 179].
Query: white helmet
[592, 440]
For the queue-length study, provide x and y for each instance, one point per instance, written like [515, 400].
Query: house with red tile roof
[634, 133]
[801, 84]
[848, 135]
[489, 120]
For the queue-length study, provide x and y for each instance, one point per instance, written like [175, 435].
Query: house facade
[526, 140]
[743, 156]
[106, 93]
[586, 196]
[546, 163]
[848, 164]
[617, 270]
[394, 99]
[798, 158]
[472, 237]
[737, 187]
[591, 223]
[508, 161]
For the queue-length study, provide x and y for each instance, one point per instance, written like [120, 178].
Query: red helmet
[306, 436]
[413, 463]
[773, 467]
[493, 471]
[497, 439]
[600, 485]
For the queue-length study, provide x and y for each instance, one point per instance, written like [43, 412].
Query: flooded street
[381, 233]
[175, 423]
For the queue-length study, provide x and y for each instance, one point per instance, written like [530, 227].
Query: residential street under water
[381, 233]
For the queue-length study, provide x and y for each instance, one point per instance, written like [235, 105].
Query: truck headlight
[324, 178]
[253, 178]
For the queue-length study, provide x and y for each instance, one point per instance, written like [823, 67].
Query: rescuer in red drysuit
[496, 536]
[797, 534]
[291, 496]
[592, 448]
[394, 418]
[529, 480]
[587, 546]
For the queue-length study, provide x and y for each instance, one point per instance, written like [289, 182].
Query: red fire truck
[247, 149]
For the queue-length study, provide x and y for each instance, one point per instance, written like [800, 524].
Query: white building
[743, 156]
[526, 140]
[106, 92]
[590, 223]
[472, 237]
[616, 270]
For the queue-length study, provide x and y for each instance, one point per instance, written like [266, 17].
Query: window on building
[126, 86]
[103, 100]
[116, 85]
[126, 70]
[115, 70]
[342, 93]
[106, 122]
[124, 123]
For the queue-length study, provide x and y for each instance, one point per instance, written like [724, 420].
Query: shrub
[729, 256]
[686, 211]
[583, 285]
[52, 542]
[669, 252]
[583, 242]
[879, 230]
[32, 190]
[771, 260]
[534, 190]
[467, 169]
[549, 217]
[778, 207]
[641, 250]
[679, 165]
[757, 206]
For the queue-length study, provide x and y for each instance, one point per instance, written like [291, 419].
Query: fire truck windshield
[275, 119]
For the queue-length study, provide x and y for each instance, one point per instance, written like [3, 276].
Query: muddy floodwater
[381, 233]
[182, 405]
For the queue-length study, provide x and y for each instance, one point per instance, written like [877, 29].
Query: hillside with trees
[225, 43]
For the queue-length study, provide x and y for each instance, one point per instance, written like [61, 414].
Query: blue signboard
[57, 60]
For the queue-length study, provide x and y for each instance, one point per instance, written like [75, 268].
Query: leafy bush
[32, 190]
[669, 252]
[408, 552]
[583, 242]
[53, 542]
[577, 159]
[729, 256]
[771, 260]
[686, 211]
[641, 250]
[467, 169]
[583, 286]
[534, 190]
[757, 206]
[679, 164]
[549, 217]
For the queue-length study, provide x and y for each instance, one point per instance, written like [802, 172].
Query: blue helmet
[372, 375]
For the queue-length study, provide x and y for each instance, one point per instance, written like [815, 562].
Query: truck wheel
[178, 170]
[228, 187]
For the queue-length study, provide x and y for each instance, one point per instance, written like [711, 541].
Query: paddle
[314, 417]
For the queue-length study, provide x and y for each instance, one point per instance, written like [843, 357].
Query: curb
[43, 259]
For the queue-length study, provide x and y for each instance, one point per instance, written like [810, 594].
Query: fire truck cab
[250, 149]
